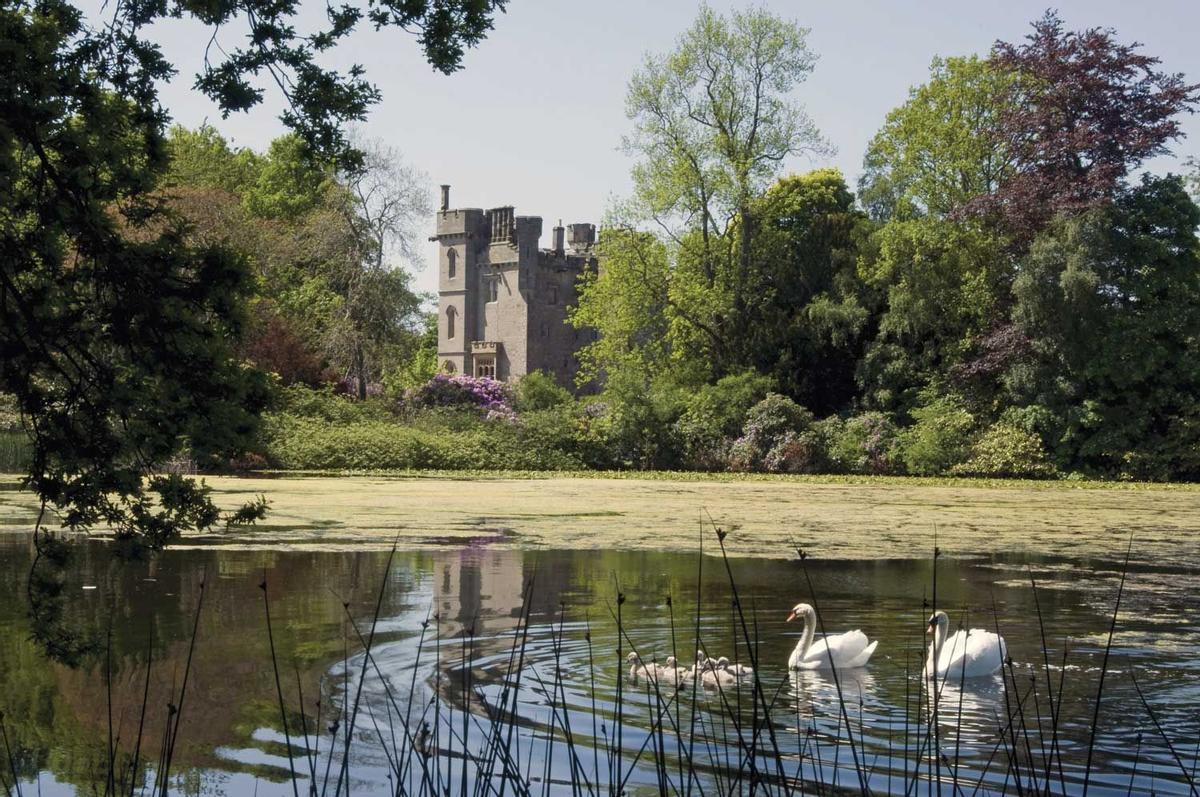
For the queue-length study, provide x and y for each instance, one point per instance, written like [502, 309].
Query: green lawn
[768, 516]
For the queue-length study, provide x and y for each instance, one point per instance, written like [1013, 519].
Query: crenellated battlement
[503, 301]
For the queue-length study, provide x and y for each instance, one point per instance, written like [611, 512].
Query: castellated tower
[502, 300]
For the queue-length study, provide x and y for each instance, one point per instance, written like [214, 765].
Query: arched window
[451, 315]
[448, 367]
[451, 264]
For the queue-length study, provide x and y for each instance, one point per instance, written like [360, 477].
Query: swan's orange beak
[791, 617]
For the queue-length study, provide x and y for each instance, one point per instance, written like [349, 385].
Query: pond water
[509, 654]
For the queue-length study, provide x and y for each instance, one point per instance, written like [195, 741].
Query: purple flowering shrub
[778, 438]
[491, 396]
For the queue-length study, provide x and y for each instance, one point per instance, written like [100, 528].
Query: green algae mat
[864, 519]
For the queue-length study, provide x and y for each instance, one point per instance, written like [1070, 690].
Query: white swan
[739, 670]
[716, 676]
[848, 650]
[965, 654]
[703, 663]
[672, 673]
[638, 670]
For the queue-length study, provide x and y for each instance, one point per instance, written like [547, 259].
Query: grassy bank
[472, 474]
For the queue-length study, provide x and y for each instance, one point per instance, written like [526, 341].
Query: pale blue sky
[536, 116]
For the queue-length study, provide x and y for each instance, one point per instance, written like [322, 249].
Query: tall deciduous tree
[629, 302]
[809, 319]
[940, 277]
[1086, 110]
[330, 250]
[940, 149]
[387, 203]
[940, 283]
[1111, 303]
[714, 120]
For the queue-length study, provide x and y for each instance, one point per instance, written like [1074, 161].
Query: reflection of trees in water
[57, 714]
[61, 639]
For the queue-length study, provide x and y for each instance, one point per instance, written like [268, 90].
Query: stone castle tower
[502, 301]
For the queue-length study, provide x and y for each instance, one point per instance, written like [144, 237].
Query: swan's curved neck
[939, 639]
[810, 628]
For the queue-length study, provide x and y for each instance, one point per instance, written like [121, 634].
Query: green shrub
[1006, 450]
[538, 391]
[16, 451]
[864, 444]
[306, 402]
[446, 419]
[714, 415]
[304, 444]
[632, 425]
[556, 429]
[940, 438]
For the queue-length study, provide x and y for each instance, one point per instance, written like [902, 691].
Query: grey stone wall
[509, 297]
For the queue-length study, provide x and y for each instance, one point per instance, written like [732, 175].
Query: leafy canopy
[117, 326]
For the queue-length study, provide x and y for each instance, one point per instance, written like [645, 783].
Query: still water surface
[450, 634]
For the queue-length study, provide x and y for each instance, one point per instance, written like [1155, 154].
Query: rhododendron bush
[460, 390]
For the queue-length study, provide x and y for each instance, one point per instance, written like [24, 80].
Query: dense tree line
[1003, 296]
[330, 252]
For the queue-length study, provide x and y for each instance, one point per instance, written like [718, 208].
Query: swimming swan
[638, 670]
[965, 654]
[851, 649]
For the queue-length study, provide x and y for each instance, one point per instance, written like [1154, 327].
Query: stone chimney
[559, 234]
[583, 236]
[445, 198]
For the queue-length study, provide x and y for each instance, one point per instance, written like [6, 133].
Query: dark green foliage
[115, 333]
[117, 327]
[715, 414]
[808, 317]
[15, 448]
[1111, 304]
[16, 451]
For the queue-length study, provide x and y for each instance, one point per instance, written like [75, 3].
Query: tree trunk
[360, 368]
